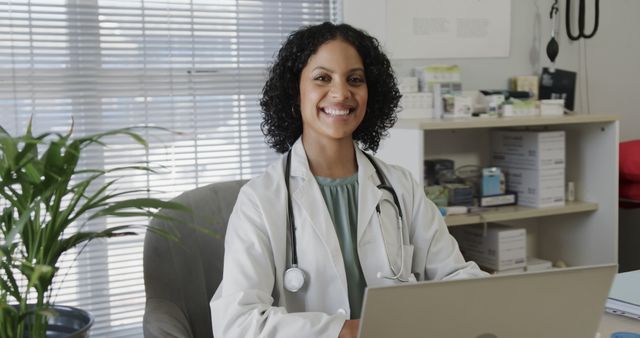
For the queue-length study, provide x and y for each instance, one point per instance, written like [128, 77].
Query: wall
[608, 67]
[610, 61]
[611, 64]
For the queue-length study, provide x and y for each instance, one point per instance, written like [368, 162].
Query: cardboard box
[508, 271]
[552, 107]
[508, 198]
[537, 188]
[527, 83]
[448, 76]
[416, 105]
[407, 84]
[515, 107]
[459, 194]
[501, 248]
[534, 163]
[493, 181]
[528, 149]
[538, 264]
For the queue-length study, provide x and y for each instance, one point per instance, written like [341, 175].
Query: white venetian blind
[192, 66]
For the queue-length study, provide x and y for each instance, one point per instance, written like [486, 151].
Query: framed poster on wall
[423, 29]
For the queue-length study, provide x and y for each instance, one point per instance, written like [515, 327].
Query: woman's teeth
[336, 112]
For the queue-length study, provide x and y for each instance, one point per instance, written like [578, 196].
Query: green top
[341, 197]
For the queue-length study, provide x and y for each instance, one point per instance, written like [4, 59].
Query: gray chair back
[181, 276]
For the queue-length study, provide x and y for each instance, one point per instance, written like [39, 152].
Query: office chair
[181, 276]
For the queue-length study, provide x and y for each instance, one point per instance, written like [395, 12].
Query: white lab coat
[251, 300]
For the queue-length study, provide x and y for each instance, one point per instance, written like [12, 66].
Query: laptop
[624, 297]
[565, 303]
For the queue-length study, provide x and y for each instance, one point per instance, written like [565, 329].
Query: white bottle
[438, 110]
[571, 191]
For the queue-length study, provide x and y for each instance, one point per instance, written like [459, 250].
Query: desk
[614, 323]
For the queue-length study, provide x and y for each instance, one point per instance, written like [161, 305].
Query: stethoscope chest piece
[293, 279]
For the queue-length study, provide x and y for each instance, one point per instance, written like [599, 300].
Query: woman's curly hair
[282, 120]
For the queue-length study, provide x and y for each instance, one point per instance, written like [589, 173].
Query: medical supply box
[416, 105]
[537, 188]
[500, 248]
[534, 164]
[528, 149]
[492, 181]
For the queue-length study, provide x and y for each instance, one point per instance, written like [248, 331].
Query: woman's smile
[337, 110]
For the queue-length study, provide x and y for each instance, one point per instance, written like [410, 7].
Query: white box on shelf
[537, 188]
[517, 107]
[527, 83]
[408, 84]
[500, 248]
[552, 107]
[538, 264]
[528, 149]
[448, 76]
[416, 105]
[462, 106]
[509, 271]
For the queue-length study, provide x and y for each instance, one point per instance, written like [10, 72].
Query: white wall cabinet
[583, 232]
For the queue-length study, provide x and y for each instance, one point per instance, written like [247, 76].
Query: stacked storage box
[414, 104]
[534, 162]
[500, 248]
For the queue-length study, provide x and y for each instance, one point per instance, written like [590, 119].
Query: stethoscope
[581, 21]
[553, 47]
[294, 277]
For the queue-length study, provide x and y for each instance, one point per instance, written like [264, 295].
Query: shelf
[520, 121]
[589, 231]
[515, 212]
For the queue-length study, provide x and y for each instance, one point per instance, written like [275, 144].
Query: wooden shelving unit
[498, 122]
[516, 212]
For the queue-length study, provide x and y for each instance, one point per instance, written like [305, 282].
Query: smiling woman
[327, 220]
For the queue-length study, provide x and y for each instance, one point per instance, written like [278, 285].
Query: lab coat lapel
[306, 195]
[368, 195]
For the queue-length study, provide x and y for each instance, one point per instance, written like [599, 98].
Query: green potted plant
[46, 201]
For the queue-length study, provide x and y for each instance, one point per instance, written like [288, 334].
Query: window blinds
[195, 67]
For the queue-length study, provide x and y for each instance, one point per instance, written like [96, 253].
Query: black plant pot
[70, 322]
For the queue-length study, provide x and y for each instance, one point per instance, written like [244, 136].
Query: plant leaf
[163, 232]
[85, 236]
[11, 286]
[17, 227]
[138, 203]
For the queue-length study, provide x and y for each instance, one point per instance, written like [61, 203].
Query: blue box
[492, 181]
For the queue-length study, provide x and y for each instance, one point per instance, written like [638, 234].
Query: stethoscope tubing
[396, 275]
[581, 20]
[293, 268]
[290, 220]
